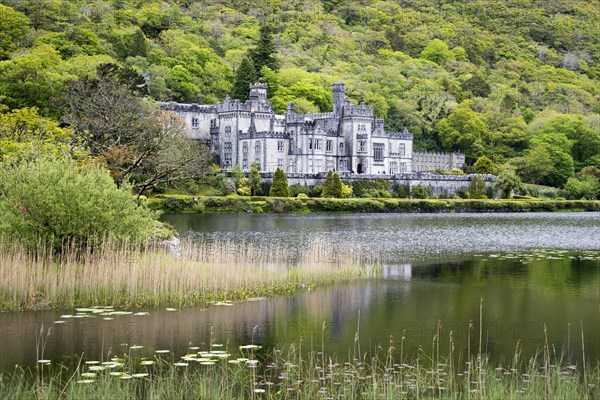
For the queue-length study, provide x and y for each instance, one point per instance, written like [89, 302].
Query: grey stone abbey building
[350, 139]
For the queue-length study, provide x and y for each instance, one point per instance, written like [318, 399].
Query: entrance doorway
[359, 168]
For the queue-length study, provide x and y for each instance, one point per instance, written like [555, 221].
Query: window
[329, 146]
[195, 123]
[378, 151]
[310, 144]
[317, 144]
[280, 146]
[341, 147]
[257, 147]
[362, 146]
[393, 167]
[227, 151]
[228, 130]
[402, 149]
[280, 163]
[343, 165]
[325, 124]
[291, 144]
[245, 156]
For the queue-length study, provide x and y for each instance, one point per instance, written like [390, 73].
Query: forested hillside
[515, 80]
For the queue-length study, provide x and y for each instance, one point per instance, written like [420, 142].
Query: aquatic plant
[218, 371]
[207, 271]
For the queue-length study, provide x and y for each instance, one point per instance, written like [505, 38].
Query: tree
[585, 187]
[33, 79]
[254, 180]
[332, 187]
[60, 203]
[534, 166]
[25, 135]
[570, 133]
[507, 183]
[14, 26]
[264, 52]
[477, 188]
[436, 51]
[477, 86]
[484, 165]
[280, 186]
[244, 77]
[132, 139]
[464, 130]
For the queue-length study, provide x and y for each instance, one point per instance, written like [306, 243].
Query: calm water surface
[532, 271]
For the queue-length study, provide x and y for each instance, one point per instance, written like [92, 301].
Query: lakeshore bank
[263, 204]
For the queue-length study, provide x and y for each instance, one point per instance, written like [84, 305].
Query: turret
[338, 90]
[258, 92]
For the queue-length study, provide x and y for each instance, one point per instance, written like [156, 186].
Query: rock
[172, 246]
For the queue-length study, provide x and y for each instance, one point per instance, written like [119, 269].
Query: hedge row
[176, 204]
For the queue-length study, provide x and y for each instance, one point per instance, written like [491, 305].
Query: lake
[533, 272]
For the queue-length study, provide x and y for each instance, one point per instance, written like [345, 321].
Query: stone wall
[437, 184]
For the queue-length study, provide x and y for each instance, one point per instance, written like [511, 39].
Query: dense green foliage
[259, 204]
[517, 82]
[61, 204]
[477, 188]
[280, 186]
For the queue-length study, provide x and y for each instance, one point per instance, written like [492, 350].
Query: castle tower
[338, 90]
[258, 92]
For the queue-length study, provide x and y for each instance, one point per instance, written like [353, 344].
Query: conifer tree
[264, 53]
[139, 45]
[280, 186]
[336, 186]
[477, 188]
[332, 187]
[244, 77]
[328, 185]
[254, 180]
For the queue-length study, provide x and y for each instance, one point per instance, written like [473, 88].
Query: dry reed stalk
[131, 275]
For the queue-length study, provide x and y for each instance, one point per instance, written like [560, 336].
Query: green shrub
[58, 203]
[418, 192]
[401, 191]
[199, 207]
[316, 191]
[297, 189]
[376, 193]
[302, 196]
[362, 185]
[244, 187]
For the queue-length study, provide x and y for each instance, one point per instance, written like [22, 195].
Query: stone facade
[432, 161]
[348, 140]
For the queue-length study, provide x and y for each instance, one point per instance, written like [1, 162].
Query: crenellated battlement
[187, 107]
[360, 111]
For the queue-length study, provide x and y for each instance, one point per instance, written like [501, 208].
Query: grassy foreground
[259, 204]
[203, 272]
[218, 372]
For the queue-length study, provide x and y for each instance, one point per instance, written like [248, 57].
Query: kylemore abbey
[350, 139]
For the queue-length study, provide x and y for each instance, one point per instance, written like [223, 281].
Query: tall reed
[121, 275]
